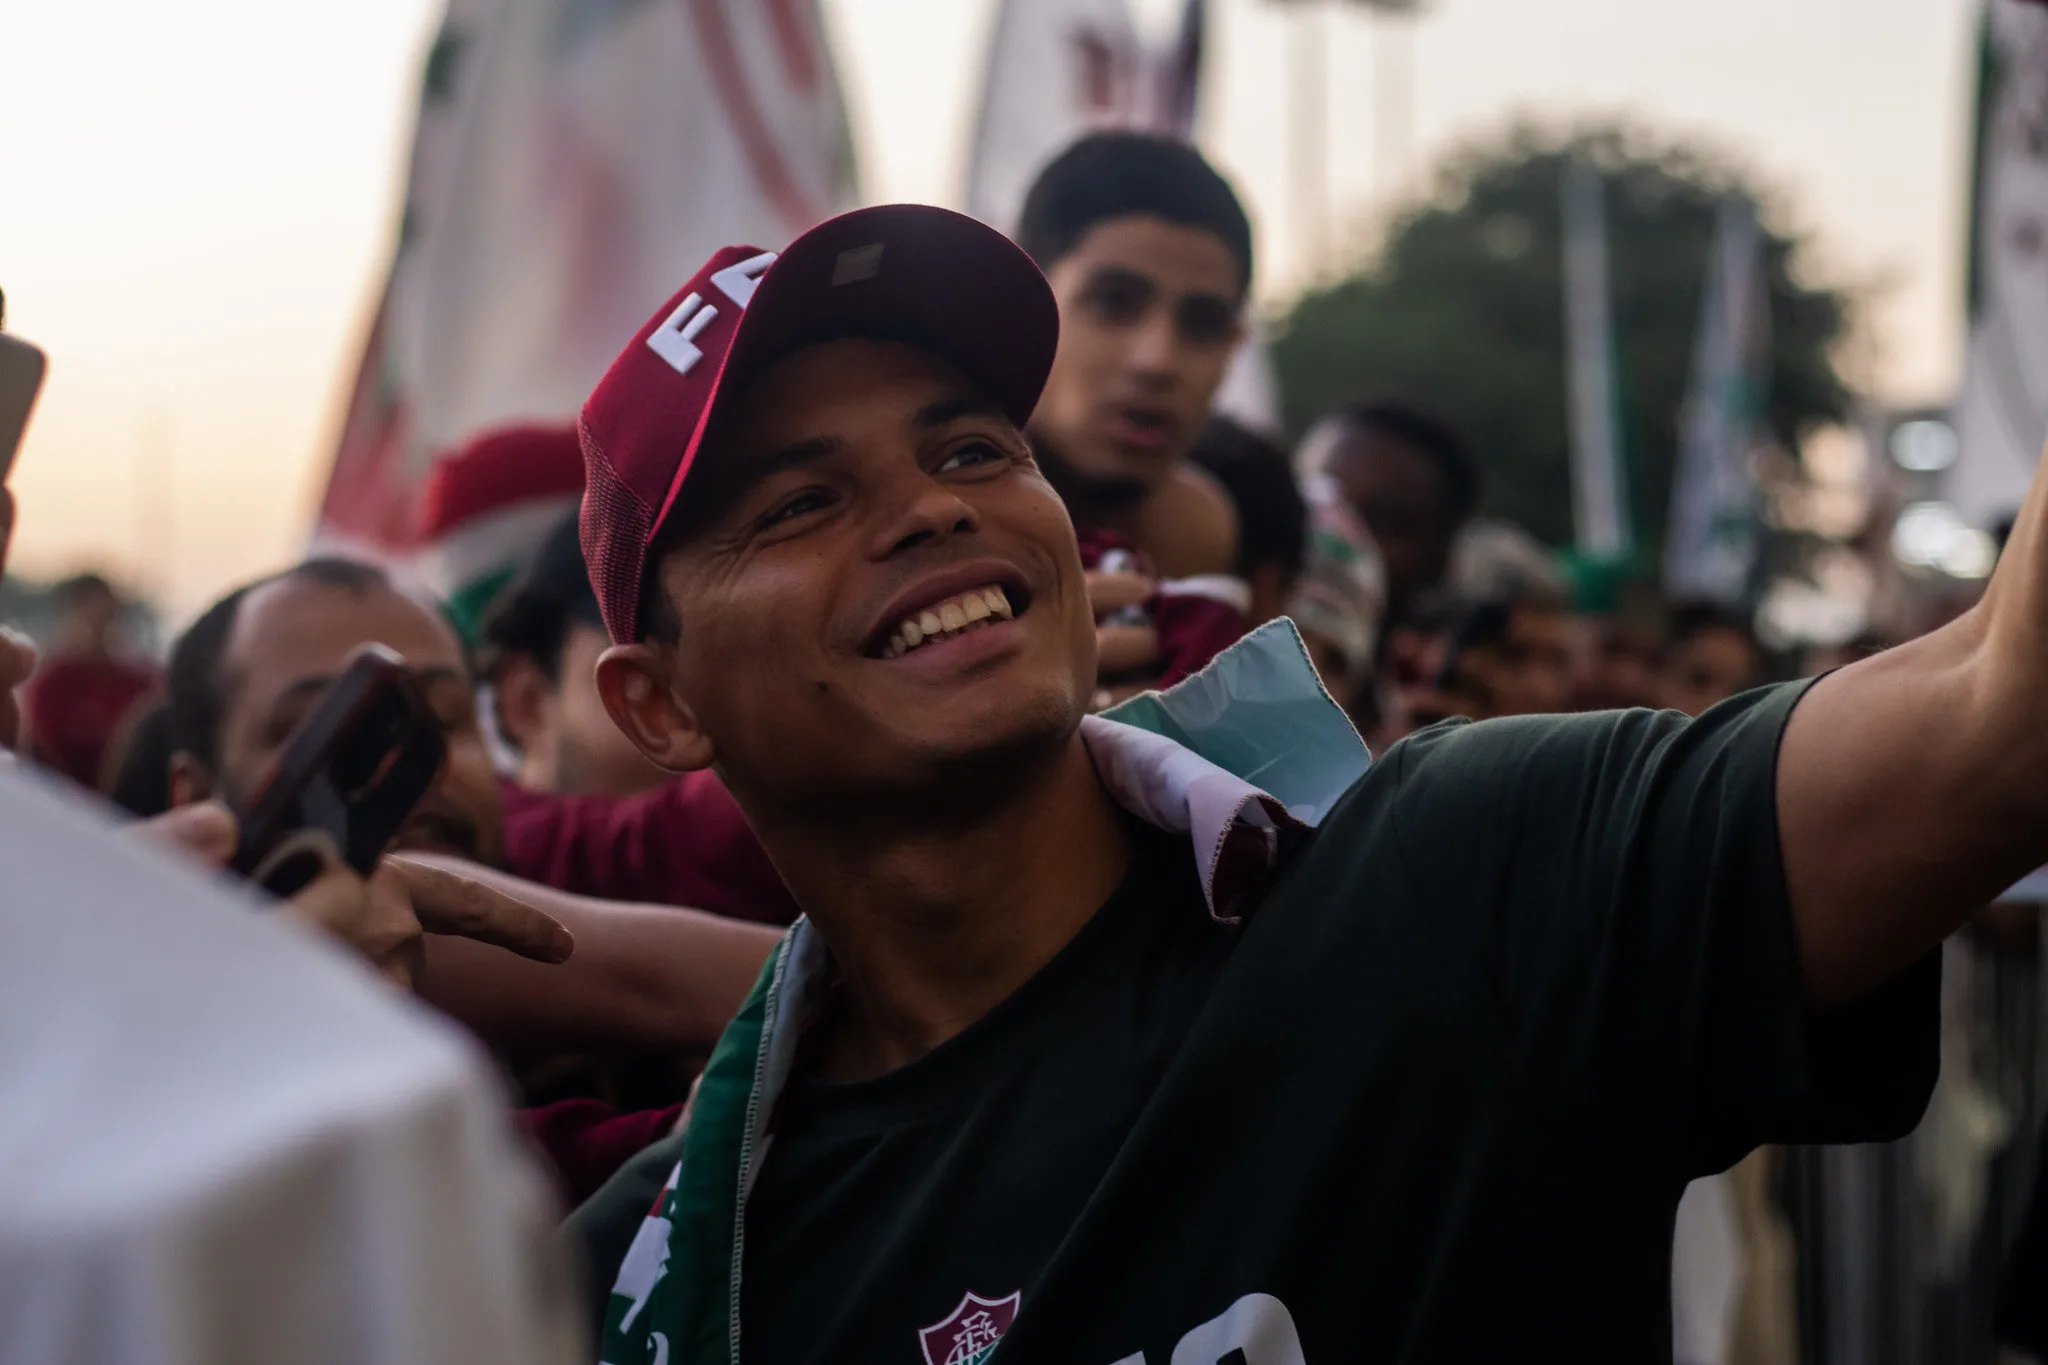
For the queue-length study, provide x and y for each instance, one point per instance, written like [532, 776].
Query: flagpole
[1307, 148]
[1394, 97]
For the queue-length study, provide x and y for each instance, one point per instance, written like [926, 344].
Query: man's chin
[992, 739]
[1106, 480]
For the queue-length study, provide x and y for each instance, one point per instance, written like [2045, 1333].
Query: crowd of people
[919, 600]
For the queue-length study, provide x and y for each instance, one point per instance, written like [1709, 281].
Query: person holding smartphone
[1184, 1034]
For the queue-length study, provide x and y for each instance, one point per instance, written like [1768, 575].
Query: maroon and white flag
[1058, 69]
[571, 163]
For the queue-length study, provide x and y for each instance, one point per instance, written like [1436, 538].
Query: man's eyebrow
[793, 456]
[319, 682]
[1121, 274]
[948, 410]
[743, 475]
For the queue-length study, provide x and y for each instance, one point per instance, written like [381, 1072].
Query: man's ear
[190, 781]
[521, 691]
[633, 681]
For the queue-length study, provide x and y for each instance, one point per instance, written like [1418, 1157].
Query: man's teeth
[955, 616]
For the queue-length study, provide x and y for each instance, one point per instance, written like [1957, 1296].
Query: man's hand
[204, 832]
[17, 662]
[1123, 647]
[17, 655]
[374, 917]
[448, 903]
[382, 917]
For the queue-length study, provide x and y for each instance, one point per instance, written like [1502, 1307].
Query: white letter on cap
[676, 339]
[738, 279]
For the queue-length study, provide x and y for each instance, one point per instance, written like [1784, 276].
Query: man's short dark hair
[533, 613]
[1272, 519]
[69, 594]
[141, 771]
[1125, 175]
[197, 700]
[1436, 438]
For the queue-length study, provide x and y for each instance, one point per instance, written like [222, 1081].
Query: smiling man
[1090, 1046]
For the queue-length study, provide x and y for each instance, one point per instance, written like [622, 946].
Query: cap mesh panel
[615, 524]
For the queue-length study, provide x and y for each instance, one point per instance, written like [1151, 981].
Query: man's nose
[919, 510]
[1155, 345]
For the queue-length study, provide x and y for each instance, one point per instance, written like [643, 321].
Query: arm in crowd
[1913, 786]
[384, 917]
[642, 976]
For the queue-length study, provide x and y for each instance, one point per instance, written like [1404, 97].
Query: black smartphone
[348, 779]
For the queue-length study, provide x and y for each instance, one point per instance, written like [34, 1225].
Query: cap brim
[908, 272]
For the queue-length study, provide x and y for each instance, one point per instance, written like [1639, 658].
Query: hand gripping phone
[349, 778]
[21, 375]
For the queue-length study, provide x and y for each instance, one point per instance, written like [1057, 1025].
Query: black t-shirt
[1435, 1100]
[2023, 1301]
[867, 1187]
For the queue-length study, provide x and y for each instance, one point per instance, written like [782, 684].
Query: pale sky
[197, 201]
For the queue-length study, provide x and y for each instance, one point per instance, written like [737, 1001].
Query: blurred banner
[1600, 516]
[573, 160]
[1060, 69]
[2002, 414]
[1056, 69]
[1711, 543]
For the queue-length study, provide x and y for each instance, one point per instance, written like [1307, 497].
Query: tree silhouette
[1463, 309]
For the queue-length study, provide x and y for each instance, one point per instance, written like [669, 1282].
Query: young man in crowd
[1150, 257]
[86, 687]
[1412, 480]
[1099, 1049]
[1149, 254]
[643, 979]
[253, 665]
[1272, 519]
[538, 648]
[1512, 657]
[1710, 654]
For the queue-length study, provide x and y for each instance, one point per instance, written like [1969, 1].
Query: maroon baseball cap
[908, 272]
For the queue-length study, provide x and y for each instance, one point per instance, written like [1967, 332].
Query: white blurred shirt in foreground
[223, 1141]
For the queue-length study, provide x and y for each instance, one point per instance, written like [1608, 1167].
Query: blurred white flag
[575, 160]
[1710, 545]
[1056, 69]
[2002, 416]
[1060, 69]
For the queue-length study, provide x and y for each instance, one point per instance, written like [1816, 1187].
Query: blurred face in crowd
[566, 739]
[1529, 670]
[886, 594]
[1617, 667]
[1148, 322]
[89, 621]
[1400, 496]
[291, 638]
[1709, 666]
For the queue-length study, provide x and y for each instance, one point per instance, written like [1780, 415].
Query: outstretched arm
[1913, 787]
[642, 976]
